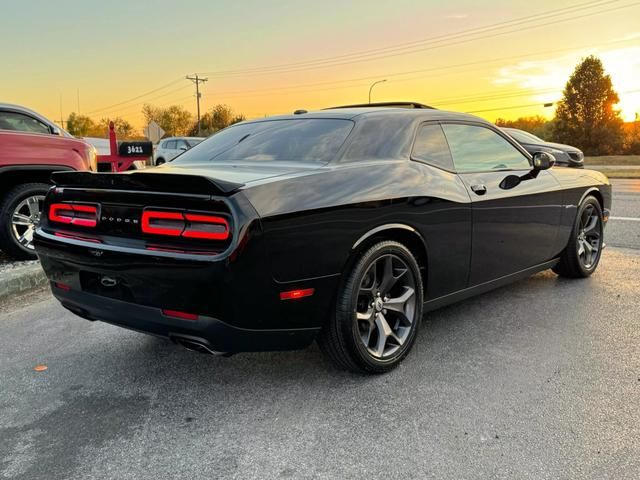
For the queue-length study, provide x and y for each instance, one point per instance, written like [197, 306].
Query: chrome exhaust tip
[196, 345]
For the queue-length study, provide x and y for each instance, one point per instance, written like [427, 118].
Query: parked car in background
[171, 147]
[342, 225]
[31, 148]
[564, 154]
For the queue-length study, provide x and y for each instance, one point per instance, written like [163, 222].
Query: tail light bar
[74, 214]
[185, 224]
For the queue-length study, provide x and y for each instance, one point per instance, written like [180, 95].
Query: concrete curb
[20, 279]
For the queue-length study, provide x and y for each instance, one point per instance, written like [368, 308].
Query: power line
[135, 98]
[418, 42]
[136, 106]
[329, 63]
[286, 89]
[510, 23]
[118, 110]
[534, 104]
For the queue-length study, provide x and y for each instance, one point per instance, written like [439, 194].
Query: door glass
[21, 123]
[170, 145]
[431, 147]
[476, 149]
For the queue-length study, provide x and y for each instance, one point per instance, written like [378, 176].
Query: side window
[181, 144]
[21, 123]
[431, 147]
[475, 148]
[170, 144]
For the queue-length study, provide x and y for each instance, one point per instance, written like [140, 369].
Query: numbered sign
[135, 149]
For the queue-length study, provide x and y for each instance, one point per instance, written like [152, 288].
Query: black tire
[160, 161]
[342, 338]
[9, 243]
[571, 264]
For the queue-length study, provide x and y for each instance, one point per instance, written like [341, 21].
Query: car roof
[363, 112]
[33, 113]
[183, 138]
[20, 108]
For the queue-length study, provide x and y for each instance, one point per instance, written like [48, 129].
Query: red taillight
[188, 225]
[162, 223]
[74, 214]
[206, 226]
[293, 294]
[62, 286]
[180, 315]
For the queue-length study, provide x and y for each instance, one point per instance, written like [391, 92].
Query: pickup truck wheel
[20, 211]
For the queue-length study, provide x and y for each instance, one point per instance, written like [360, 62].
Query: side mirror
[543, 161]
[56, 131]
[183, 149]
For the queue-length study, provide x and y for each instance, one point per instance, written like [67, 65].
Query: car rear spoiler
[146, 182]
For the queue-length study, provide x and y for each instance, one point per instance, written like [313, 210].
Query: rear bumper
[236, 299]
[217, 335]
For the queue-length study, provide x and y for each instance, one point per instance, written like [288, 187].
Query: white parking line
[625, 219]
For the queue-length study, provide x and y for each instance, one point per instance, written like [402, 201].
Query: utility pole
[197, 80]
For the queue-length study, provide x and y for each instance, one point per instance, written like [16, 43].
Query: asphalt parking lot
[540, 380]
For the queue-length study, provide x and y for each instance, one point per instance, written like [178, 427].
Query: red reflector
[293, 294]
[62, 286]
[162, 223]
[74, 214]
[180, 315]
[77, 237]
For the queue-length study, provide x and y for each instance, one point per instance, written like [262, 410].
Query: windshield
[294, 140]
[524, 137]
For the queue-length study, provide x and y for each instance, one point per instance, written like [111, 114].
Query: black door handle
[479, 189]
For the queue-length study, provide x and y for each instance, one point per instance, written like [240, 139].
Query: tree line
[586, 116]
[175, 120]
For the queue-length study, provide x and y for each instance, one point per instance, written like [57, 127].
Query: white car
[171, 147]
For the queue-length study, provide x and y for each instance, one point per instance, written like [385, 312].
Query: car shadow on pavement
[465, 324]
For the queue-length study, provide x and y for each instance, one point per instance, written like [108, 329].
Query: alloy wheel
[386, 306]
[25, 219]
[589, 237]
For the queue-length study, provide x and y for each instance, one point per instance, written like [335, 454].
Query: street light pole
[373, 85]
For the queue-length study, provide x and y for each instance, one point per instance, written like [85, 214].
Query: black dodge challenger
[342, 225]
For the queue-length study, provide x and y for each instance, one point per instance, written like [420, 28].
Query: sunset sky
[497, 58]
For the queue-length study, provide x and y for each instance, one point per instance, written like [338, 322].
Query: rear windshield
[304, 140]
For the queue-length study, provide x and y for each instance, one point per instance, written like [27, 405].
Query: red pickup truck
[31, 148]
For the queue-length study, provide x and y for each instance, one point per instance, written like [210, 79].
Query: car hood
[558, 146]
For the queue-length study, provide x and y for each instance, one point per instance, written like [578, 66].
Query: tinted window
[170, 144]
[181, 144]
[304, 140]
[476, 148]
[21, 123]
[382, 137]
[431, 147]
